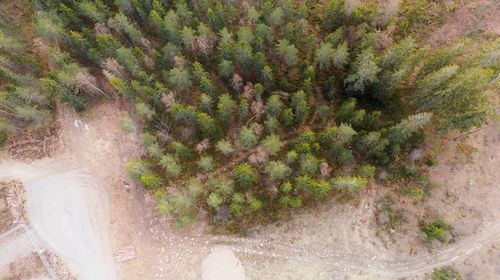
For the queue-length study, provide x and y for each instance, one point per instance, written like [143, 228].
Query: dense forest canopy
[247, 108]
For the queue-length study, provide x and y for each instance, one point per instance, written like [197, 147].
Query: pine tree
[277, 170]
[272, 144]
[245, 175]
[274, 105]
[225, 147]
[121, 23]
[333, 16]
[324, 56]
[208, 126]
[206, 163]
[247, 137]
[373, 145]
[180, 79]
[171, 166]
[288, 52]
[399, 134]
[457, 97]
[364, 72]
[226, 108]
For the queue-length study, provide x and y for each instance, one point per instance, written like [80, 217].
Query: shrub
[185, 220]
[136, 168]
[435, 229]
[446, 273]
[151, 181]
[348, 183]
[254, 204]
[126, 124]
[366, 170]
[417, 193]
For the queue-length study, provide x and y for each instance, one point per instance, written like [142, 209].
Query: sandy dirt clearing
[222, 264]
[12, 248]
[63, 209]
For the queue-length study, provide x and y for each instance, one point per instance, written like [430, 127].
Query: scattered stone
[383, 175]
[416, 154]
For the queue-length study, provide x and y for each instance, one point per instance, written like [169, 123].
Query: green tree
[225, 147]
[364, 72]
[399, 134]
[277, 170]
[214, 200]
[188, 38]
[456, 97]
[120, 22]
[226, 68]
[182, 151]
[324, 56]
[288, 52]
[245, 175]
[254, 204]
[180, 79]
[309, 164]
[341, 56]
[226, 108]
[208, 126]
[272, 144]
[373, 145]
[274, 105]
[247, 137]
[300, 105]
[171, 166]
[275, 19]
[435, 229]
[366, 170]
[333, 15]
[206, 163]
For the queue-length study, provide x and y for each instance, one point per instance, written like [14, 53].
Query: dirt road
[65, 212]
[372, 265]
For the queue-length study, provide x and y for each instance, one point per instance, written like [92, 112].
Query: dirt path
[373, 264]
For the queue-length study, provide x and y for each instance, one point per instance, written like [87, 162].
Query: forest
[248, 110]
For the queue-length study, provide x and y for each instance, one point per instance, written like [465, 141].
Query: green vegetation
[446, 273]
[271, 105]
[435, 229]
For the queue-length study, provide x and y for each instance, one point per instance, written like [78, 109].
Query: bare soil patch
[34, 145]
[24, 268]
[12, 204]
[471, 17]
[61, 269]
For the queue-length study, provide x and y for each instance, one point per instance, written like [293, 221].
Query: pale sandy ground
[222, 264]
[13, 247]
[61, 206]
